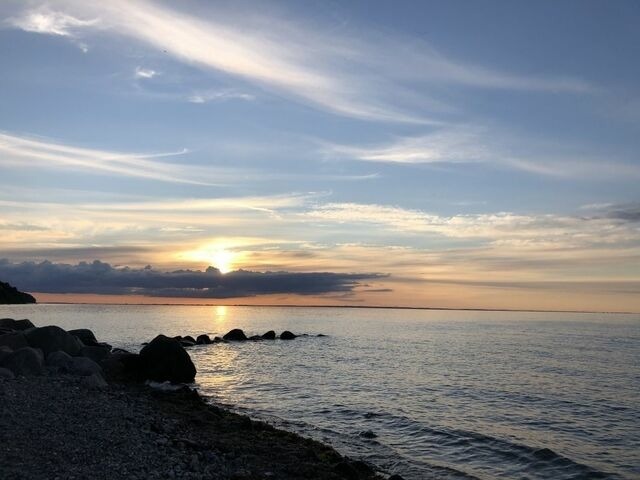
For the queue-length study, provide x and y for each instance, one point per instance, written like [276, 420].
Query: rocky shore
[73, 408]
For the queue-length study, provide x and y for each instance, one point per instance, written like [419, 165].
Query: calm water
[449, 394]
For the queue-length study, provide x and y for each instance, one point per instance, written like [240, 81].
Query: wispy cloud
[360, 76]
[218, 96]
[18, 149]
[49, 22]
[144, 73]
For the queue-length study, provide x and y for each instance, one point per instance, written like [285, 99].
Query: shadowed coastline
[73, 407]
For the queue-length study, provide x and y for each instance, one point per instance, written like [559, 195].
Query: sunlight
[222, 260]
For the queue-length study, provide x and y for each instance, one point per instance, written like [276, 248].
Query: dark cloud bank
[101, 278]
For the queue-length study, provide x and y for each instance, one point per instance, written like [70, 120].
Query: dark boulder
[187, 343]
[270, 335]
[6, 373]
[203, 339]
[52, 338]
[287, 335]
[11, 295]
[96, 353]
[11, 324]
[122, 366]
[189, 338]
[85, 335]
[59, 360]
[235, 335]
[25, 361]
[395, 476]
[165, 359]
[14, 340]
[217, 340]
[368, 434]
[84, 366]
[4, 352]
[255, 338]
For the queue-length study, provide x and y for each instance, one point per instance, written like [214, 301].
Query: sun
[223, 260]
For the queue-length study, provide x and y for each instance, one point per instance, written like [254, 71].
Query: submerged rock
[270, 335]
[165, 359]
[203, 339]
[52, 338]
[11, 295]
[235, 335]
[287, 335]
[255, 338]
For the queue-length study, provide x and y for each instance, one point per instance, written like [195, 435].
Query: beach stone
[5, 352]
[287, 335]
[52, 338]
[25, 361]
[235, 335]
[94, 381]
[14, 340]
[203, 339]
[84, 366]
[12, 324]
[60, 360]
[6, 373]
[122, 365]
[165, 359]
[270, 335]
[85, 335]
[95, 353]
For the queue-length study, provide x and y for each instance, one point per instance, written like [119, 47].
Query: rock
[203, 339]
[368, 434]
[59, 360]
[4, 352]
[165, 359]
[217, 340]
[287, 335]
[235, 335]
[321, 335]
[12, 324]
[84, 366]
[189, 338]
[255, 338]
[395, 477]
[14, 340]
[345, 470]
[95, 353]
[52, 338]
[25, 361]
[94, 381]
[6, 373]
[122, 365]
[85, 335]
[11, 295]
[187, 343]
[270, 335]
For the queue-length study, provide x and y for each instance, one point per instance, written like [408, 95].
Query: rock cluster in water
[236, 335]
[27, 350]
[11, 295]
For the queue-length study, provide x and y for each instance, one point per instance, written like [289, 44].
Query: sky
[414, 153]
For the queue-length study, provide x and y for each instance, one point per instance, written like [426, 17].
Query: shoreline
[54, 426]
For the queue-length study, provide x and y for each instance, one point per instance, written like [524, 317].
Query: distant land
[11, 295]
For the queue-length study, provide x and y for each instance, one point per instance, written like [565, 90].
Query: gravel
[66, 427]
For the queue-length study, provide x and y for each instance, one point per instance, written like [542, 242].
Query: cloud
[219, 95]
[101, 278]
[366, 76]
[46, 21]
[16, 150]
[144, 73]
[488, 146]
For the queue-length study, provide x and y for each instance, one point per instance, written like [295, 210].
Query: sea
[441, 394]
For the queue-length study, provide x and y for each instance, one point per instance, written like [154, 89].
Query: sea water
[422, 393]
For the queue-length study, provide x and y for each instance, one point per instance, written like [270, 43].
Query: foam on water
[447, 394]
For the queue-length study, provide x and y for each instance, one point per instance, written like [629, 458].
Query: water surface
[447, 394]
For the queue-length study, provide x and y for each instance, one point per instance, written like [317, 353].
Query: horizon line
[380, 307]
